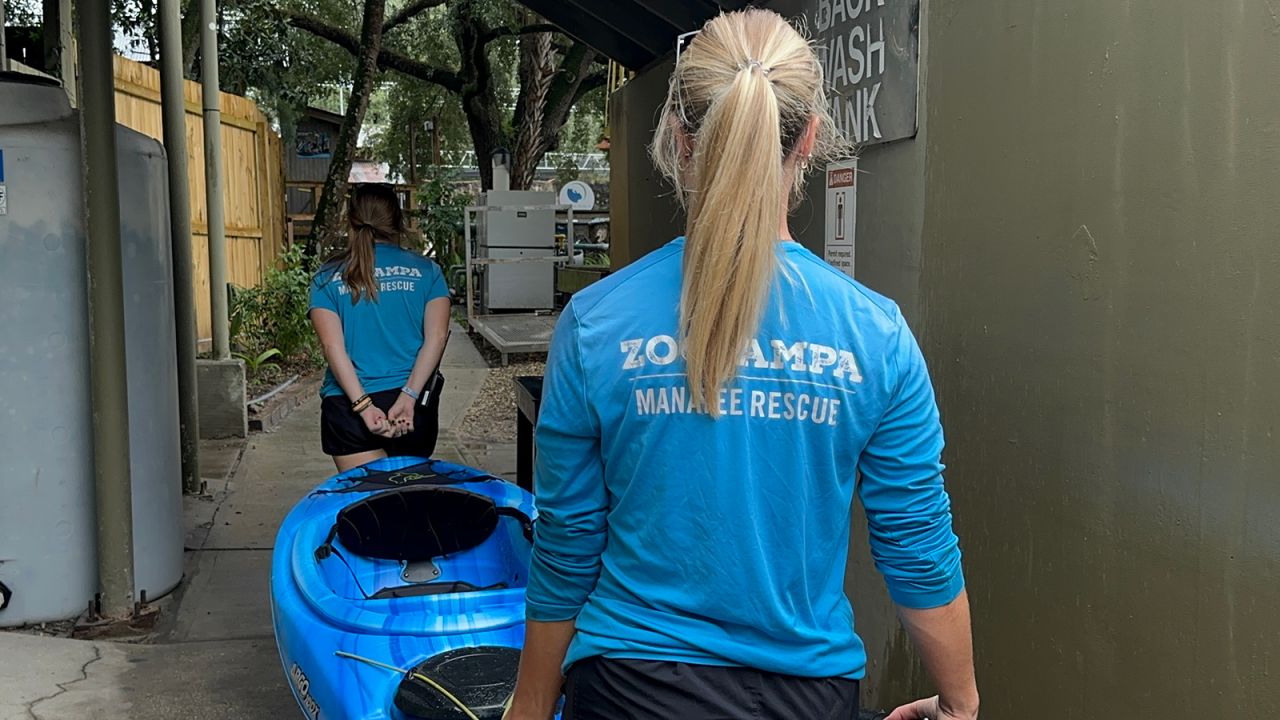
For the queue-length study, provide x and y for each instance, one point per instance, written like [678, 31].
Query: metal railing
[586, 162]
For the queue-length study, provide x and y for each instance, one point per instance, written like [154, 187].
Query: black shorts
[343, 432]
[616, 689]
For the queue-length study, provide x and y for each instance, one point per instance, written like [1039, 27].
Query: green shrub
[441, 212]
[274, 314]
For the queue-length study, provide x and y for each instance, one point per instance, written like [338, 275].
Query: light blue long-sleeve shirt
[671, 535]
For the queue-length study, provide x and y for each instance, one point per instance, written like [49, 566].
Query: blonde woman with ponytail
[709, 414]
[382, 314]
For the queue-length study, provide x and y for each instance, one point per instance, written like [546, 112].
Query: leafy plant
[259, 362]
[273, 316]
[441, 212]
[566, 171]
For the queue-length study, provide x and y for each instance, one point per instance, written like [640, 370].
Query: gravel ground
[492, 417]
[58, 628]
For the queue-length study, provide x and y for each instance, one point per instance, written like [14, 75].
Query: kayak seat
[418, 526]
[416, 523]
[481, 678]
[430, 588]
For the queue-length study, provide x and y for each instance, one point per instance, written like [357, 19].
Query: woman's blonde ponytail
[730, 245]
[742, 96]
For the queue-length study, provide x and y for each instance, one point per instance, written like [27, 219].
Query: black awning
[635, 33]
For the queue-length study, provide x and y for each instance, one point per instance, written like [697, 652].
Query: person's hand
[401, 415]
[931, 709]
[376, 421]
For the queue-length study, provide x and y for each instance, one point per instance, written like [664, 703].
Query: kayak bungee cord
[417, 676]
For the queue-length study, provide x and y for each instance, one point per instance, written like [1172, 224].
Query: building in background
[306, 165]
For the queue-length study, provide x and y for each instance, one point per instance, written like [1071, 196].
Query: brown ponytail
[741, 97]
[374, 215]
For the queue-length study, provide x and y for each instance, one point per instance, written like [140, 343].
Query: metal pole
[213, 179]
[59, 59]
[51, 38]
[413, 166]
[4, 51]
[413, 153]
[435, 140]
[106, 314]
[173, 107]
[466, 245]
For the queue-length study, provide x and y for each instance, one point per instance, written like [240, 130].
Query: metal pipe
[114, 497]
[173, 107]
[4, 51]
[56, 33]
[435, 140]
[213, 179]
[413, 153]
[274, 391]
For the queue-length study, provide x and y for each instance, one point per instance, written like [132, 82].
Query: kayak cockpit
[398, 592]
[426, 540]
[378, 558]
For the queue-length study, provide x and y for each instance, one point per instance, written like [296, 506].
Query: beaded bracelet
[361, 404]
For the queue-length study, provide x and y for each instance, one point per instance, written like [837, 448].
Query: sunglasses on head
[682, 42]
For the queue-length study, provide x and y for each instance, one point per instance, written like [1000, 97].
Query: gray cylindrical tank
[47, 530]
[47, 534]
[150, 342]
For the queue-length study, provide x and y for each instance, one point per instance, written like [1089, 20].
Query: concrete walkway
[213, 656]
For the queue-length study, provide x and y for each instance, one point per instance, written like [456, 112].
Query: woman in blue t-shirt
[382, 314]
[710, 413]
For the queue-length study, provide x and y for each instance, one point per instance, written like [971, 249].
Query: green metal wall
[1085, 235]
[1099, 298]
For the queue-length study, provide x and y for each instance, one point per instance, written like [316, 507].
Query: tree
[137, 19]
[21, 12]
[553, 74]
[398, 117]
[327, 226]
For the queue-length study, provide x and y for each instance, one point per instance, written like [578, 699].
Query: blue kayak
[398, 592]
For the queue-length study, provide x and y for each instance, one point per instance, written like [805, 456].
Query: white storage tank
[47, 526]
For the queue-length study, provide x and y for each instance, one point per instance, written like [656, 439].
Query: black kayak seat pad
[417, 523]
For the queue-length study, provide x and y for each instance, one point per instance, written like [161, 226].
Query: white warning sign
[842, 204]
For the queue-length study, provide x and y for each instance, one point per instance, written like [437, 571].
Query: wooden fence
[252, 176]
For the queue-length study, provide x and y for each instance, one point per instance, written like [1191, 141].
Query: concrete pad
[48, 678]
[277, 470]
[496, 458]
[251, 524]
[461, 352]
[225, 680]
[228, 597]
[461, 386]
[220, 386]
[218, 458]
[449, 453]
[198, 513]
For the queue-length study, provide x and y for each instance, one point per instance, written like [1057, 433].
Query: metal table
[528, 400]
